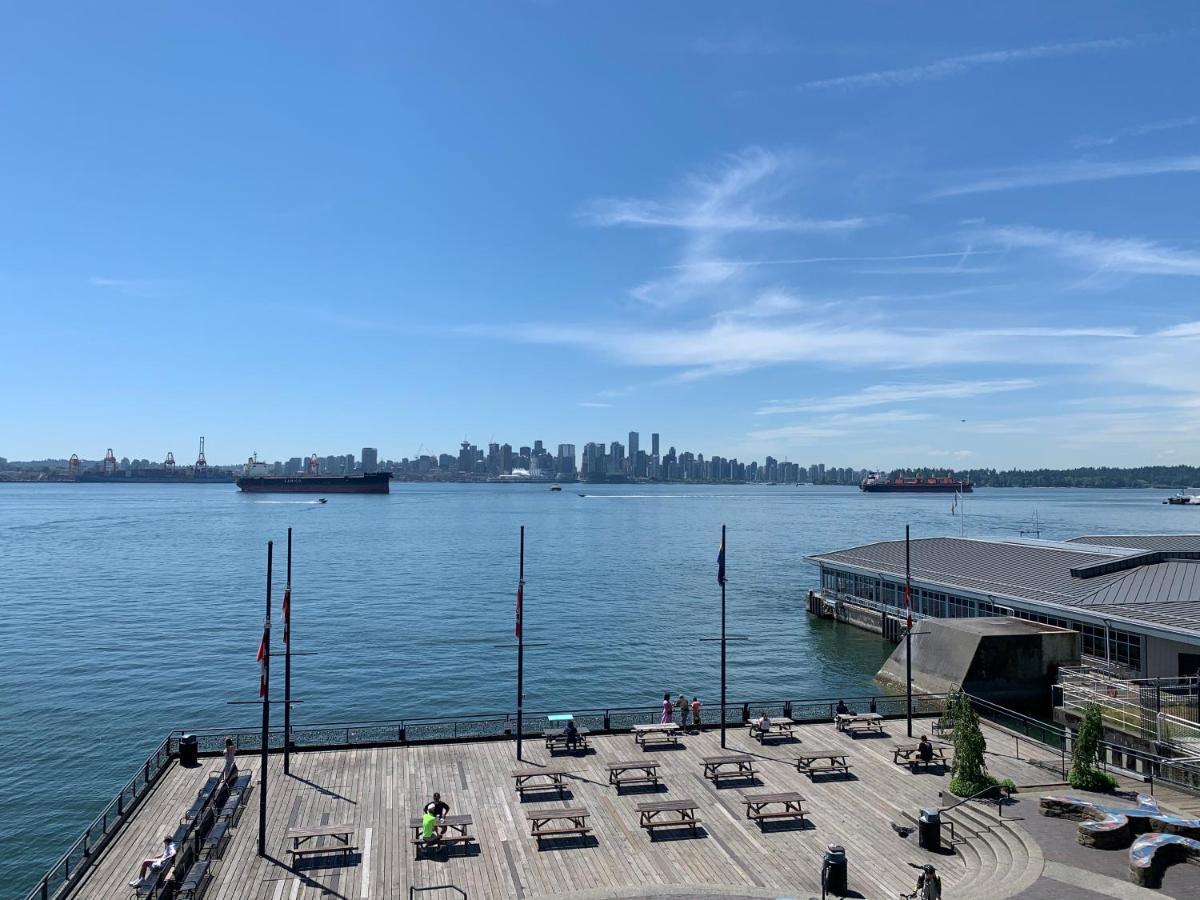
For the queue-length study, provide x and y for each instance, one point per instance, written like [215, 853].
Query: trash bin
[189, 751]
[929, 830]
[833, 871]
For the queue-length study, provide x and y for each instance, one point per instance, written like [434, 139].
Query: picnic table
[538, 780]
[659, 734]
[855, 722]
[909, 755]
[556, 737]
[456, 833]
[549, 823]
[732, 765]
[766, 807]
[779, 728]
[342, 836]
[834, 761]
[659, 815]
[632, 772]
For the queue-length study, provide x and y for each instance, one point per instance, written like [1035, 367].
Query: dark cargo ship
[877, 483]
[256, 481]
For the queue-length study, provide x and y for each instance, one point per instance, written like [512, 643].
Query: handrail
[998, 788]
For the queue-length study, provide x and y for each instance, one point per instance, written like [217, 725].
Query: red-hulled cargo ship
[876, 482]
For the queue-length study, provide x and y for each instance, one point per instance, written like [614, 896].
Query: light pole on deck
[908, 629]
[287, 663]
[519, 633]
[721, 577]
[265, 690]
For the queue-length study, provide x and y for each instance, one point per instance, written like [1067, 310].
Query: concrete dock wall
[859, 615]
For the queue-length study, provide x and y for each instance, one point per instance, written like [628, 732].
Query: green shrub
[1085, 753]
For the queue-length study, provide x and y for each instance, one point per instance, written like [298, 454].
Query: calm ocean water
[128, 611]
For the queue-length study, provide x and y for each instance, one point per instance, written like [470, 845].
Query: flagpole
[265, 688]
[287, 664]
[908, 630]
[521, 646]
[722, 638]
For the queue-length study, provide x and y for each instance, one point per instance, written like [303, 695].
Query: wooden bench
[192, 877]
[342, 836]
[556, 738]
[554, 823]
[852, 723]
[204, 796]
[942, 729]
[835, 761]
[909, 755]
[739, 765]
[540, 780]
[649, 815]
[456, 833]
[644, 735]
[622, 773]
[762, 808]
[779, 728]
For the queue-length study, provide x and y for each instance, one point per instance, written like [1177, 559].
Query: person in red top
[696, 713]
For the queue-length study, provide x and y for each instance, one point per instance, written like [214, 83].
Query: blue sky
[869, 234]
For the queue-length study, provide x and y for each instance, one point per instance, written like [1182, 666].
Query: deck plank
[377, 789]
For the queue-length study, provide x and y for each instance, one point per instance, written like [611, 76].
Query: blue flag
[721, 563]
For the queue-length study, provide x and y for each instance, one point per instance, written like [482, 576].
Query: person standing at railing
[666, 710]
[696, 713]
[230, 759]
[682, 705]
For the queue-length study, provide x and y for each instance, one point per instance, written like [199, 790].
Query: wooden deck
[379, 790]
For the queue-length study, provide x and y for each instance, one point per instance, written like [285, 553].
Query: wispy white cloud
[965, 253]
[1129, 255]
[958, 65]
[834, 426]
[141, 288]
[1090, 141]
[886, 394]
[736, 344]
[595, 404]
[1068, 173]
[739, 197]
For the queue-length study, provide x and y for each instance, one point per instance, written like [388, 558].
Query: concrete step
[1019, 861]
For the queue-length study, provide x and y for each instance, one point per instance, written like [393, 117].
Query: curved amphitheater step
[1000, 858]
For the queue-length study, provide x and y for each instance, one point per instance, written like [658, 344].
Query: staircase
[999, 858]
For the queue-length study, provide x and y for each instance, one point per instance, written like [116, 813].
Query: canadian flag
[262, 662]
[287, 613]
[520, 602]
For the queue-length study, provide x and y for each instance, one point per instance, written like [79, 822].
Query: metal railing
[498, 726]
[71, 865]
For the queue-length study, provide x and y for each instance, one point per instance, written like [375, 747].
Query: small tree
[968, 775]
[1086, 752]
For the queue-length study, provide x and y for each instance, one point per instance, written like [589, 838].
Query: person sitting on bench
[763, 722]
[571, 733]
[155, 863]
[429, 827]
[925, 750]
[842, 708]
[438, 808]
[230, 759]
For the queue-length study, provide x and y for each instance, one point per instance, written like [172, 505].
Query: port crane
[201, 462]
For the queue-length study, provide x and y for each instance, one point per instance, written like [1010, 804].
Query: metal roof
[1165, 591]
[1176, 542]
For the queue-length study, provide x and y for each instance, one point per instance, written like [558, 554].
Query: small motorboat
[556, 487]
[322, 500]
[583, 495]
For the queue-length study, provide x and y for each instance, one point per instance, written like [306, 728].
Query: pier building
[1134, 599]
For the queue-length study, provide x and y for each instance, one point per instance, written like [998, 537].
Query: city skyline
[965, 236]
